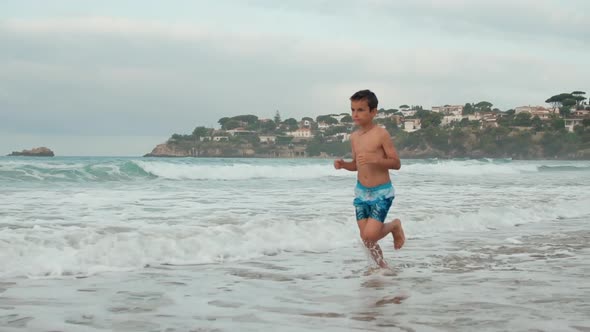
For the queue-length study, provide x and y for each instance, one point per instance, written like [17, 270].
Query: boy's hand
[338, 163]
[367, 158]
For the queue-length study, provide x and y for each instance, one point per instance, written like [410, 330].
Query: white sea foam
[257, 210]
[49, 251]
[236, 172]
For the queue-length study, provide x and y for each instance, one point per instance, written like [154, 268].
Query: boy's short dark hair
[368, 95]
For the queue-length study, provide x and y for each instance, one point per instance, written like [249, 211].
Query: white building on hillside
[341, 137]
[240, 132]
[540, 111]
[572, 122]
[301, 132]
[477, 116]
[412, 125]
[408, 113]
[448, 119]
[448, 109]
[383, 115]
[267, 138]
[305, 124]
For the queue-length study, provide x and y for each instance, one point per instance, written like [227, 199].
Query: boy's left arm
[391, 160]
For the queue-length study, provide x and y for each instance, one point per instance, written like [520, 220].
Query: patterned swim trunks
[373, 202]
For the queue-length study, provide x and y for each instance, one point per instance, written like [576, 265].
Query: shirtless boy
[373, 155]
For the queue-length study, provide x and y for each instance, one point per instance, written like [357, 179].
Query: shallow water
[124, 244]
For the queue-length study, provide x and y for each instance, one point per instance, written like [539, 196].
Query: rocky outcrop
[226, 149]
[35, 152]
[167, 150]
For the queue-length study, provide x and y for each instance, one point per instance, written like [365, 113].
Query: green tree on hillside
[579, 97]
[468, 109]
[267, 127]
[537, 123]
[346, 119]
[566, 107]
[565, 101]
[558, 124]
[326, 119]
[249, 119]
[292, 124]
[483, 106]
[201, 132]
[231, 124]
[523, 119]
[223, 121]
[429, 119]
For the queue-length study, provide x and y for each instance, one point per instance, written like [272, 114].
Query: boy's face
[361, 113]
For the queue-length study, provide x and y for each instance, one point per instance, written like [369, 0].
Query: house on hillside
[305, 124]
[301, 133]
[408, 112]
[448, 109]
[477, 116]
[240, 132]
[267, 139]
[449, 119]
[341, 137]
[581, 113]
[323, 126]
[571, 123]
[411, 125]
[383, 115]
[489, 119]
[540, 111]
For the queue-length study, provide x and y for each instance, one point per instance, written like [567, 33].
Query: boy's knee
[370, 237]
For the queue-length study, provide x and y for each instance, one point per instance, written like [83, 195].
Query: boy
[373, 154]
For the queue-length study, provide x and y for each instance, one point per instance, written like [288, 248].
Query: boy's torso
[369, 143]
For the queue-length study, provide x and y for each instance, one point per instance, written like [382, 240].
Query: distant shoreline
[294, 158]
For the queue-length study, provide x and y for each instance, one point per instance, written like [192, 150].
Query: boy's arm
[349, 165]
[391, 160]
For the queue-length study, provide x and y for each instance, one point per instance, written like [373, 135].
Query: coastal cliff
[225, 149]
[428, 143]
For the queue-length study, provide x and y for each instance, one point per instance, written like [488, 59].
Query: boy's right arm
[347, 165]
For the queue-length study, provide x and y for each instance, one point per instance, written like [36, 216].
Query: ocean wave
[97, 170]
[564, 168]
[40, 251]
[47, 251]
[71, 172]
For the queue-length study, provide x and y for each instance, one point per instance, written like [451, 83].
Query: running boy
[373, 154]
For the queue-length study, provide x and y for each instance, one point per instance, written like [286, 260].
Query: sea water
[148, 244]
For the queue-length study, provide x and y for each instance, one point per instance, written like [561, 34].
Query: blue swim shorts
[373, 202]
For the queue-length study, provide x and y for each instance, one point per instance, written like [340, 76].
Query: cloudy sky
[117, 77]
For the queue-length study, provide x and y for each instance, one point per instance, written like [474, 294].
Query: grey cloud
[548, 21]
[121, 77]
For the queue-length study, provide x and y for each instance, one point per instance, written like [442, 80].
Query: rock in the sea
[35, 152]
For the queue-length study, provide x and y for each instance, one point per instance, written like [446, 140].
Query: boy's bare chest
[367, 143]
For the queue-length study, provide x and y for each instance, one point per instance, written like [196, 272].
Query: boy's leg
[373, 247]
[375, 230]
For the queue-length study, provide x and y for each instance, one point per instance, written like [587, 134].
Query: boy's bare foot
[399, 237]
